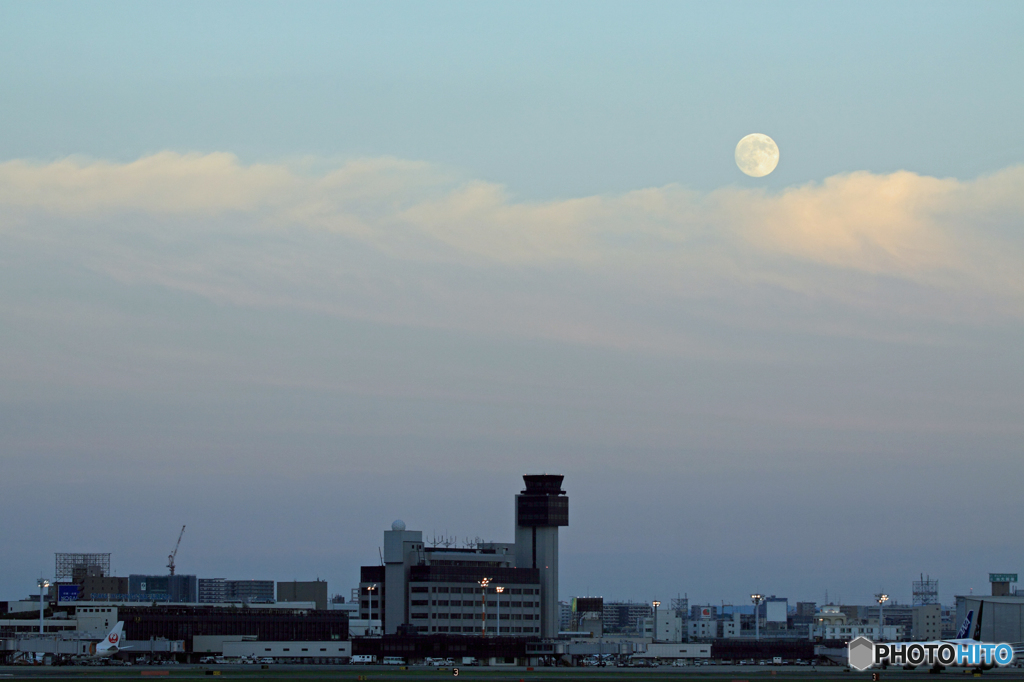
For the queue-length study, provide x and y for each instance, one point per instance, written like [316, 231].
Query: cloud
[934, 232]
[163, 183]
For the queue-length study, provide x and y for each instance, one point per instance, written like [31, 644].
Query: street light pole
[757, 599]
[881, 599]
[498, 590]
[654, 630]
[484, 582]
[43, 584]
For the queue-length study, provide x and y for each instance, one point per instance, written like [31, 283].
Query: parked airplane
[112, 643]
[108, 646]
[970, 633]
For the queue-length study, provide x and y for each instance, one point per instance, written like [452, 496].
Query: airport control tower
[540, 510]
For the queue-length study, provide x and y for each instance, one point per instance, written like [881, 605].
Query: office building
[212, 590]
[249, 591]
[468, 590]
[163, 588]
[624, 617]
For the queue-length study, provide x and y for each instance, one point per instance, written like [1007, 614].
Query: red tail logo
[112, 638]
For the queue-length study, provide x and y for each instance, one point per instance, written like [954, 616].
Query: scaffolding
[75, 567]
[926, 591]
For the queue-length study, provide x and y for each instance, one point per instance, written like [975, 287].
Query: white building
[831, 623]
[284, 650]
[703, 628]
[732, 627]
[671, 627]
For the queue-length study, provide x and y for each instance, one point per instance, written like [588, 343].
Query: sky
[286, 272]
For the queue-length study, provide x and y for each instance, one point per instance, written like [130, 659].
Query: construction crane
[170, 557]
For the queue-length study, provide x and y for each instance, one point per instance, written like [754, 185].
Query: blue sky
[285, 272]
[552, 101]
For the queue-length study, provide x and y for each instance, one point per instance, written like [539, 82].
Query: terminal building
[490, 588]
[294, 630]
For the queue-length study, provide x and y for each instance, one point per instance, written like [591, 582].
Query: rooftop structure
[72, 567]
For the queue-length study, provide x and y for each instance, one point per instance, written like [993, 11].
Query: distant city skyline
[287, 272]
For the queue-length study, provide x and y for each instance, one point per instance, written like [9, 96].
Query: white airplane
[970, 635]
[108, 646]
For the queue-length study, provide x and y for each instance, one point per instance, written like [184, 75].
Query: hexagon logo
[861, 653]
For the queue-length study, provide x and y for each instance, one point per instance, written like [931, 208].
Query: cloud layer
[943, 232]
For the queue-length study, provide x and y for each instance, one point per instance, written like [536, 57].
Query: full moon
[757, 155]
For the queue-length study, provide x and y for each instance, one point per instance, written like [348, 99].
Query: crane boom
[170, 557]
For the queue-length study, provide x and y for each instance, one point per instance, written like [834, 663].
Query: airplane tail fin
[113, 639]
[977, 624]
[965, 629]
